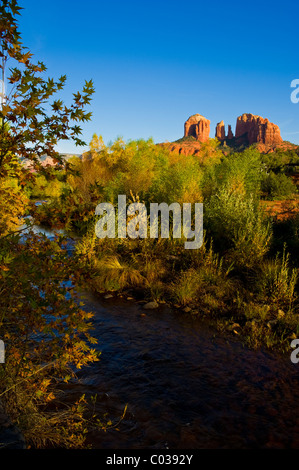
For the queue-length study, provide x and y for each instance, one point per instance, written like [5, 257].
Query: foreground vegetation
[244, 277]
[43, 326]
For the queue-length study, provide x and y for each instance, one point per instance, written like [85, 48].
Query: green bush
[239, 172]
[280, 159]
[206, 281]
[238, 227]
[277, 186]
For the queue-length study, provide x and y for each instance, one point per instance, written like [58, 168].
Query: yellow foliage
[13, 203]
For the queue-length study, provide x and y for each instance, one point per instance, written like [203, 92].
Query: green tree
[37, 119]
[46, 332]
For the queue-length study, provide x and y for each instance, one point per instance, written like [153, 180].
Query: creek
[186, 385]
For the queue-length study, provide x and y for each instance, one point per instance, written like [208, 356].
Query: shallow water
[185, 386]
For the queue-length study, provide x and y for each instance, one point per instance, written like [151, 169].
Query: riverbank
[187, 378]
[255, 333]
[258, 306]
[257, 303]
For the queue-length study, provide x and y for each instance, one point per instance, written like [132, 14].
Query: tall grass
[207, 281]
[115, 274]
[277, 280]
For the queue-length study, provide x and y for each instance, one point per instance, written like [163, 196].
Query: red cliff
[252, 129]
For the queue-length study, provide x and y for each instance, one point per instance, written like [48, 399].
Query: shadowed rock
[230, 134]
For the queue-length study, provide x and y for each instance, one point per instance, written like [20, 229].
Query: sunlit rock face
[255, 129]
[220, 131]
[197, 126]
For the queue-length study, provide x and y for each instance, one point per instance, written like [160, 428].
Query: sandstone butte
[197, 126]
[250, 129]
[257, 129]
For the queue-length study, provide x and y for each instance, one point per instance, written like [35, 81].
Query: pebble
[151, 305]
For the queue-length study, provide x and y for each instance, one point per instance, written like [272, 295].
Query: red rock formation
[255, 129]
[220, 131]
[250, 129]
[183, 148]
[197, 126]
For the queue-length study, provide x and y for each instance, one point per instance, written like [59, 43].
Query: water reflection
[185, 386]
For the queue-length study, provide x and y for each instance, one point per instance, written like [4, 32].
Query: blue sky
[155, 63]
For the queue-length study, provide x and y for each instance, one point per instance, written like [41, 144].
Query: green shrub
[237, 226]
[277, 186]
[280, 159]
[239, 172]
[206, 281]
